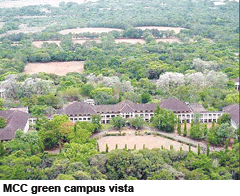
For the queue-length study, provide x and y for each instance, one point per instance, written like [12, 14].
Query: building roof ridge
[125, 106]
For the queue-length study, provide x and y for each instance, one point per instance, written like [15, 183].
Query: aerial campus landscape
[119, 90]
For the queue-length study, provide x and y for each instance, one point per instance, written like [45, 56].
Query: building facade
[81, 111]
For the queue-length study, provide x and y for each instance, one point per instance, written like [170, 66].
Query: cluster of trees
[164, 120]
[219, 134]
[79, 160]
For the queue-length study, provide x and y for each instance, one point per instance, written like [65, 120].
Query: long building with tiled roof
[81, 111]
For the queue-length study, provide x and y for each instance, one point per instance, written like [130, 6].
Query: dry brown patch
[58, 68]
[150, 142]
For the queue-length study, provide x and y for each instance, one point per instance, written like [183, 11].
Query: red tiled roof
[79, 108]
[15, 120]
[196, 107]
[123, 107]
[177, 106]
[233, 110]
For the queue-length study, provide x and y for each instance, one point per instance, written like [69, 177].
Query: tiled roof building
[15, 120]
[233, 110]
[81, 111]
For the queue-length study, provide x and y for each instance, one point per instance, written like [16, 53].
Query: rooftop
[233, 110]
[123, 107]
[15, 120]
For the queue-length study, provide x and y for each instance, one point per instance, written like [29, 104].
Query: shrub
[136, 122]
[197, 131]
[218, 134]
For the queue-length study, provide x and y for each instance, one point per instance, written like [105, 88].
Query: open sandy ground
[131, 139]
[58, 68]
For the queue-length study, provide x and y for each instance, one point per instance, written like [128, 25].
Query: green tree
[2, 150]
[96, 120]
[178, 127]
[136, 122]
[164, 119]
[208, 149]
[218, 134]
[145, 98]
[118, 122]
[225, 118]
[185, 128]
[197, 131]
[199, 149]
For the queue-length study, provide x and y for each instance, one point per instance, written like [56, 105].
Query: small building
[233, 110]
[89, 101]
[236, 80]
[15, 119]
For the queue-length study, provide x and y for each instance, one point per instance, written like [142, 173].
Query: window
[108, 116]
[112, 115]
[89, 118]
[75, 118]
[84, 118]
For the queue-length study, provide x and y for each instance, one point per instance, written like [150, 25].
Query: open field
[90, 30]
[150, 142]
[21, 3]
[160, 28]
[58, 68]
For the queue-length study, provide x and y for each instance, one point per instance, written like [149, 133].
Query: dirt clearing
[58, 68]
[150, 142]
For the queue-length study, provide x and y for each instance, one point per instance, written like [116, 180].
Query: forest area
[199, 68]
